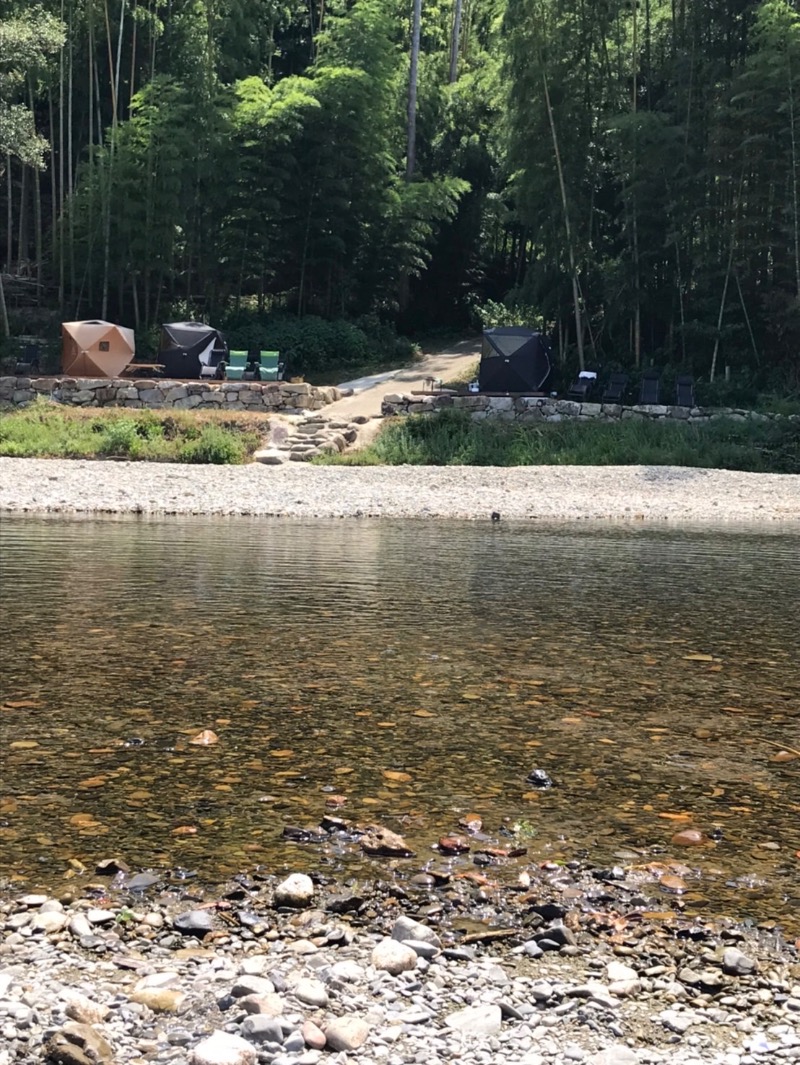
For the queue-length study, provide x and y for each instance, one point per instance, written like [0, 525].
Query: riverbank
[565, 965]
[534, 493]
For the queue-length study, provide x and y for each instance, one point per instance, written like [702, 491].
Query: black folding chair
[684, 391]
[650, 387]
[615, 388]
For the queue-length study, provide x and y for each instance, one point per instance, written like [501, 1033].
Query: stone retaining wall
[271, 396]
[541, 408]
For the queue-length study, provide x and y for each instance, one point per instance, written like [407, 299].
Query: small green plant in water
[524, 829]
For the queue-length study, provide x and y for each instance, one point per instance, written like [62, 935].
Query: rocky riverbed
[555, 965]
[296, 490]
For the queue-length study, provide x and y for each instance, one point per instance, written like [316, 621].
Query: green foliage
[452, 438]
[492, 314]
[312, 344]
[214, 445]
[47, 430]
[25, 43]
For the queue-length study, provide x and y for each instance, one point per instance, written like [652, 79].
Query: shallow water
[651, 673]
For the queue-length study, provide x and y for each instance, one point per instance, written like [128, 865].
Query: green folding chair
[271, 368]
[237, 364]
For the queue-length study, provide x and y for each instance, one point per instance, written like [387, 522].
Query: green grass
[47, 430]
[451, 438]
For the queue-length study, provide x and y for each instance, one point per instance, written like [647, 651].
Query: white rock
[405, 928]
[163, 979]
[392, 956]
[622, 979]
[349, 972]
[421, 948]
[312, 992]
[221, 1048]
[476, 1020]
[83, 1009]
[79, 926]
[615, 1055]
[295, 890]
[49, 921]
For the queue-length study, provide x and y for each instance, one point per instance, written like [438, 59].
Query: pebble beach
[297, 490]
[568, 966]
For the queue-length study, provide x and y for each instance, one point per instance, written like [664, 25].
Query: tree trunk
[565, 207]
[70, 176]
[61, 271]
[3, 311]
[455, 41]
[795, 215]
[9, 214]
[412, 89]
[722, 308]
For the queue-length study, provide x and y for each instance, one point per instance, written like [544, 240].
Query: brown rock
[79, 1044]
[204, 738]
[313, 1035]
[160, 999]
[453, 845]
[380, 841]
[689, 837]
[470, 823]
[346, 1033]
[675, 884]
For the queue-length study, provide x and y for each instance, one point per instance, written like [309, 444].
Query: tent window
[104, 345]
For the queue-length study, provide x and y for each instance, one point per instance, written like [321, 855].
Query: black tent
[514, 359]
[186, 347]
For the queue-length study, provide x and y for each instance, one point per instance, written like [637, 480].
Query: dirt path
[369, 391]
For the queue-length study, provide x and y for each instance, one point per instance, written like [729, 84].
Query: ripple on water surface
[419, 670]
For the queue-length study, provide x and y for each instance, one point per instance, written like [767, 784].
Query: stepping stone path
[304, 437]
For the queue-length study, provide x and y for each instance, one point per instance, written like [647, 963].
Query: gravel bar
[550, 493]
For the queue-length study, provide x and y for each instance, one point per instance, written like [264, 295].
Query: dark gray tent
[514, 359]
[186, 347]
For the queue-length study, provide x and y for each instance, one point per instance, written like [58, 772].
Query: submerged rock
[381, 841]
[540, 778]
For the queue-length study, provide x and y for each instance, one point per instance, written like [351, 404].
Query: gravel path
[555, 493]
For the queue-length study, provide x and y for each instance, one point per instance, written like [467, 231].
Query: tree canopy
[624, 175]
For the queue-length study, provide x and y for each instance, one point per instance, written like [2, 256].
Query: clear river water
[418, 670]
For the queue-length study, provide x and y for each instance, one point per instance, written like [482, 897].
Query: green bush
[215, 446]
[312, 345]
[120, 438]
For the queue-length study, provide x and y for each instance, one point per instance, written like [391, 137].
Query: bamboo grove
[624, 172]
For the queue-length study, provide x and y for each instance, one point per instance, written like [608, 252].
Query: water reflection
[650, 673]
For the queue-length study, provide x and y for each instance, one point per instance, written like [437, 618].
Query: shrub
[214, 445]
[311, 345]
[120, 437]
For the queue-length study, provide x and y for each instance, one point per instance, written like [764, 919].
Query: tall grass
[452, 438]
[47, 430]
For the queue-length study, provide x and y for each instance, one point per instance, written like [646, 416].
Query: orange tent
[95, 349]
